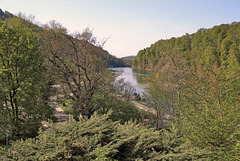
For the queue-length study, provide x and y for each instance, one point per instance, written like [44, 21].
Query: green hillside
[110, 60]
[219, 45]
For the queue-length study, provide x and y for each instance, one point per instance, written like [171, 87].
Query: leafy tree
[165, 87]
[201, 71]
[23, 95]
[105, 97]
[109, 97]
[206, 47]
[157, 97]
[209, 111]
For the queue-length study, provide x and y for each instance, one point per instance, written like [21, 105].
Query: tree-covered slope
[128, 60]
[110, 60]
[4, 15]
[219, 45]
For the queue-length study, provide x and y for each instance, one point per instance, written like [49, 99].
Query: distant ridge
[4, 15]
[128, 60]
[129, 57]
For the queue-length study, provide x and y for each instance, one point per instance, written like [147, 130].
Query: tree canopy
[218, 45]
[23, 95]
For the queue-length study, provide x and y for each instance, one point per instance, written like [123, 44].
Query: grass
[69, 105]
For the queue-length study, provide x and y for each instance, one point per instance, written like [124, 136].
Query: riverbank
[137, 78]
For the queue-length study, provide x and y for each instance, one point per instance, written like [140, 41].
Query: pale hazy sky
[132, 24]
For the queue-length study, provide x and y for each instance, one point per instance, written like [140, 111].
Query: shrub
[98, 138]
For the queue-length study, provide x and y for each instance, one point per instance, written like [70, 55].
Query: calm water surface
[136, 78]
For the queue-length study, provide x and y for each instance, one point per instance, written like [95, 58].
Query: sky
[130, 25]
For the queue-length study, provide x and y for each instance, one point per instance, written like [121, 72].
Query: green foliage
[78, 141]
[123, 111]
[5, 15]
[209, 112]
[112, 61]
[68, 108]
[158, 97]
[202, 72]
[218, 45]
[99, 138]
[128, 60]
[24, 95]
[174, 147]
[109, 97]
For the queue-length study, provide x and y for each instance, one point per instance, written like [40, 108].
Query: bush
[98, 138]
[122, 111]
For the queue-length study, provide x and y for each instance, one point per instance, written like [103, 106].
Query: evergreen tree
[99, 138]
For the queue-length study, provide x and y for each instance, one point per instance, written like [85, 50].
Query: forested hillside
[196, 80]
[110, 60]
[128, 60]
[219, 45]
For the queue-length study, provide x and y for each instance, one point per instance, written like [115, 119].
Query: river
[135, 77]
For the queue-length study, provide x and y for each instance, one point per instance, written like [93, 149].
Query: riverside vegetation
[195, 80]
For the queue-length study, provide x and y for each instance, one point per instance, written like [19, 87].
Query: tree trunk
[173, 108]
[13, 108]
[157, 119]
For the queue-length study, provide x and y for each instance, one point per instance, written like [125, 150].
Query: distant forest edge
[219, 46]
[113, 61]
[4, 15]
[110, 60]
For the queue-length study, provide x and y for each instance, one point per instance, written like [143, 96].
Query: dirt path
[144, 108]
[139, 105]
[59, 113]
[166, 119]
[150, 110]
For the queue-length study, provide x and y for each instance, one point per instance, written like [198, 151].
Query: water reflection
[137, 78]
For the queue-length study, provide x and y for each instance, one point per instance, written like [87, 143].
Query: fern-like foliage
[99, 138]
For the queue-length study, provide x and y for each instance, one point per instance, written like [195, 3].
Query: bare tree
[128, 90]
[75, 61]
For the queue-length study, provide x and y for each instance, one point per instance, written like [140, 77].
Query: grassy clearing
[68, 108]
